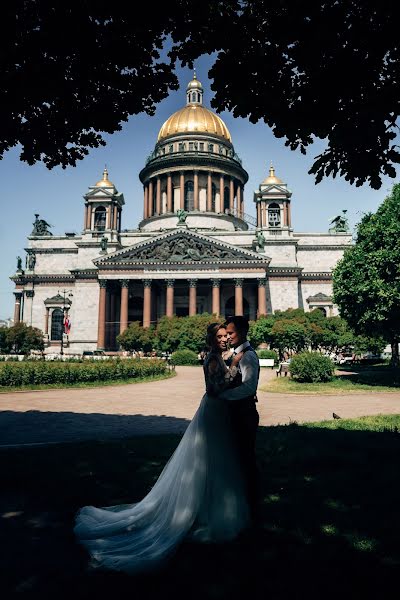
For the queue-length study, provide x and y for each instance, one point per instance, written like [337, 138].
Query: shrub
[311, 367]
[268, 354]
[184, 357]
[33, 373]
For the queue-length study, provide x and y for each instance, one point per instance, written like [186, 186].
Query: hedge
[311, 367]
[33, 373]
[268, 354]
[184, 357]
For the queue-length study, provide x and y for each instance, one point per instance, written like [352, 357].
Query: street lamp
[70, 295]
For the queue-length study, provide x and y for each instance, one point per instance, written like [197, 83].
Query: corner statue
[181, 214]
[40, 227]
[340, 224]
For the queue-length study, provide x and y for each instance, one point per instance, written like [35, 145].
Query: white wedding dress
[200, 495]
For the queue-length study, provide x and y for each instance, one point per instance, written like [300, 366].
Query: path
[164, 406]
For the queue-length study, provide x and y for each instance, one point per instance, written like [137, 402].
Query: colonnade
[262, 213]
[107, 301]
[156, 186]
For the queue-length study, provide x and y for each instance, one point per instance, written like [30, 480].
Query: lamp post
[70, 295]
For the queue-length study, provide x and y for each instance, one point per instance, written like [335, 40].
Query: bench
[283, 368]
[266, 362]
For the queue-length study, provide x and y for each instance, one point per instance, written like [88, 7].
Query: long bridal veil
[199, 495]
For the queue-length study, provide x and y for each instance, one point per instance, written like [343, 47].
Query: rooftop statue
[339, 224]
[40, 227]
[182, 214]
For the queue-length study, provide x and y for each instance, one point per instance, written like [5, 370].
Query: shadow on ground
[374, 375]
[331, 526]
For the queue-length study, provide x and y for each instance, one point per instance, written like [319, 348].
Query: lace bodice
[218, 376]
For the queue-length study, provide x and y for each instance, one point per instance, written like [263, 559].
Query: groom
[241, 399]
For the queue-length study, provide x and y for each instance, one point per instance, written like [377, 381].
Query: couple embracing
[207, 491]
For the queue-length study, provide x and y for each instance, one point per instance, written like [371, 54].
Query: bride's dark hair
[212, 332]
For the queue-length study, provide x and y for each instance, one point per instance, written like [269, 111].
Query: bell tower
[103, 208]
[273, 204]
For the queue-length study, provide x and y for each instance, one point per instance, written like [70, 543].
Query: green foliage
[136, 337]
[184, 357]
[179, 333]
[34, 373]
[366, 282]
[22, 338]
[4, 343]
[260, 330]
[267, 354]
[310, 367]
[288, 334]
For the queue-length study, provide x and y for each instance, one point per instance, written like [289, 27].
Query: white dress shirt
[249, 368]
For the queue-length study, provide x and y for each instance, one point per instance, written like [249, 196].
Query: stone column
[145, 202]
[46, 321]
[232, 196]
[89, 217]
[112, 318]
[17, 307]
[158, 196]
[239, 297]
[101, 335]
[209, 192]
[146, 302]
[182, 190]
[169, 193]
[124, 305]
[221, 193]
[115, 225]
[239, 201]
[216, 302]
[192, 297]
[170, 298]
[262, 297]
[196, 190]
[85, 218]
[259, 224]
[151, 193]
[289, 218]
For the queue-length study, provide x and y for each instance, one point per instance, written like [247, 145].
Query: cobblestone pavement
[164, 406]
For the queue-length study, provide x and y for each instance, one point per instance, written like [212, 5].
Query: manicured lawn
[355, 379]
[331, 525]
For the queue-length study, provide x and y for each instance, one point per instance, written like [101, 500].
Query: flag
[67, 325]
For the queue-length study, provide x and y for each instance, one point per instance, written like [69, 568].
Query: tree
[366, 281]
[288, 334]
[4, 343]
[22, 338]
[260, 330]
[332, 70]
[136, 337]
[179, 333]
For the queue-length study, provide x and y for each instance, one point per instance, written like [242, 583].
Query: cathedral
[196, 249]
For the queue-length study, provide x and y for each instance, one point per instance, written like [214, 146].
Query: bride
[200, 495]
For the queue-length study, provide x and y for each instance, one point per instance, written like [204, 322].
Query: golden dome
[194, 118]
[271, 177]
[194, 84]
[104, 182]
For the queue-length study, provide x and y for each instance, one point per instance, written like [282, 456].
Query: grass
[355, 379]
[86, 384]
[330, 496]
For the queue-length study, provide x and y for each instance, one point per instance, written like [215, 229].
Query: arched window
[230, 308]
[226, 199]
[189, 196]
[322, 309]
[57, 324]
[213, 195]
[100, 218]
[274, 215]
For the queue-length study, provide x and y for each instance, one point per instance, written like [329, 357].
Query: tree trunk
[395, 352]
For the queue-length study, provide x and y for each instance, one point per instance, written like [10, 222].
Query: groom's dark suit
[241, 399]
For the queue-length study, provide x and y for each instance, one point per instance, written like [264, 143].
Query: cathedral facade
[196, 249]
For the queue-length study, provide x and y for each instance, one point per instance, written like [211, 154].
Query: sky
[57, 194]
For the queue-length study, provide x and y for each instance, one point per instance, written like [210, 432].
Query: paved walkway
[157, 407]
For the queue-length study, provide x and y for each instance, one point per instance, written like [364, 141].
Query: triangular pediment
[182, 247]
